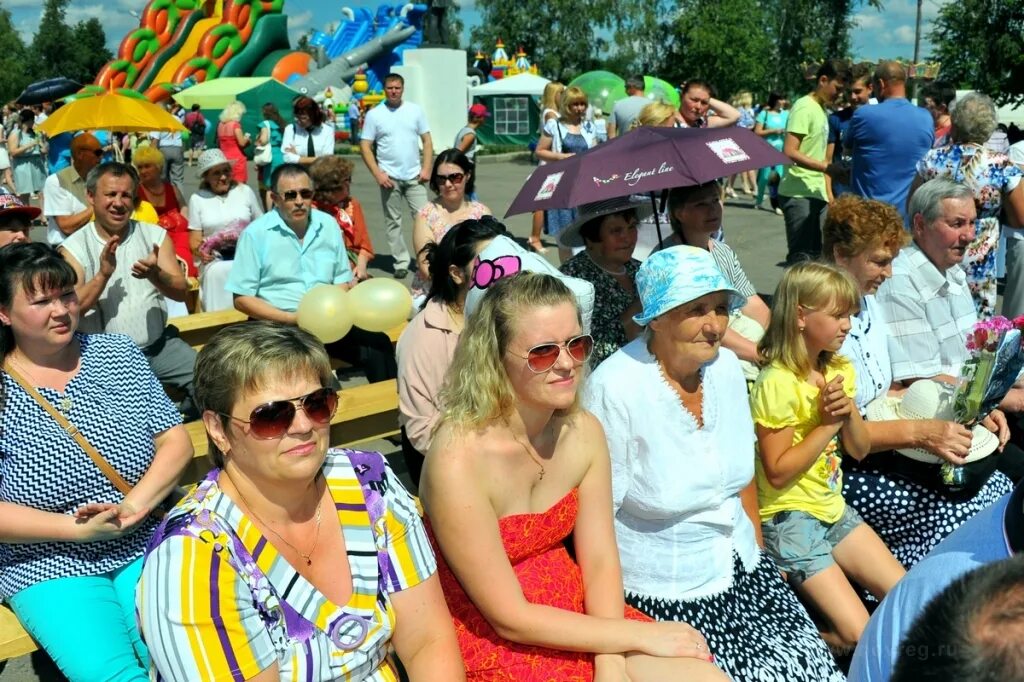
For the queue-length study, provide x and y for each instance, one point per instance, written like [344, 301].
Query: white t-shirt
[130, 306]
[212, 213]
[57, 201]
[397, 134]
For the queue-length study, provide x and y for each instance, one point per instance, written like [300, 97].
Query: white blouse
[867, 349]
[212, 213]
[675, 487]
[295, 141]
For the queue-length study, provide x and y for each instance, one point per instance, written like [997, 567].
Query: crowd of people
[630, 467]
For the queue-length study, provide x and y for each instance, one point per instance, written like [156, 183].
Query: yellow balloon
[325, 312]
[379, 304]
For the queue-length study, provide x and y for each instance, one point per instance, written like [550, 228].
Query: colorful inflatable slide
[188, 41]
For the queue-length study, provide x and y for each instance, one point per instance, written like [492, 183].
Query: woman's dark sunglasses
[455, 178]
[543, 357]
[272, 420]
[292, 194]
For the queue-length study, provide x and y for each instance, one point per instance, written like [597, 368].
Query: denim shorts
[802, 544]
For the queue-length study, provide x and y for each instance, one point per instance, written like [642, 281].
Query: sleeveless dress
[547, 575]
[171, 219]
[437, 221]
[229, 145]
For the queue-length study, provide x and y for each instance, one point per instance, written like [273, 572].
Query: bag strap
[69, 428]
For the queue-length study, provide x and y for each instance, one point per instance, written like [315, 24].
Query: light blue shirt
[978, 542]
[271, 263]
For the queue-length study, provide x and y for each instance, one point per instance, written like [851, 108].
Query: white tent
[520, 84]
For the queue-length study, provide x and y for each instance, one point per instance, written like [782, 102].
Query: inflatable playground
[183, 43]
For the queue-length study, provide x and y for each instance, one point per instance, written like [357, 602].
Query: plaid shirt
[929, 314]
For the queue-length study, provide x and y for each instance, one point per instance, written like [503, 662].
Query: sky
[888, 33]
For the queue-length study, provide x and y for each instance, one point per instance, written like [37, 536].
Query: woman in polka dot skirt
[863, 237]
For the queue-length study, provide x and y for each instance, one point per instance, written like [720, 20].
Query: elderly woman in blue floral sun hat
[681, 440]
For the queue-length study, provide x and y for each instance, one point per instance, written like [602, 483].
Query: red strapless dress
[547, 575]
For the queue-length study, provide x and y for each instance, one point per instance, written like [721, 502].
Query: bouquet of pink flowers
[221, 243]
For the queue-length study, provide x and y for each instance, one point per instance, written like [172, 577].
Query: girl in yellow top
[803, 409]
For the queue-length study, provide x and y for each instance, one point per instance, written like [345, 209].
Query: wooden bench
[365, 413]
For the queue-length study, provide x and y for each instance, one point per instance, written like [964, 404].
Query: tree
[90, 51]
[561, 36]
[978, 43]
[51, 53]
[13, 75]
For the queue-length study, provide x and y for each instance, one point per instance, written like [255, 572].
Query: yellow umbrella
[110, 111]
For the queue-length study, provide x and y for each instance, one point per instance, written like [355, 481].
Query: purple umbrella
[644, 161]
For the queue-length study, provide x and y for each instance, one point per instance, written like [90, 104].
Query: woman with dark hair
[307, 138]
[452, 181]
[27, 150]
[426, 347]
[76, 545]
[607, 231]
[698, 100]
[332, 182]
[271, 133]
[771, 125]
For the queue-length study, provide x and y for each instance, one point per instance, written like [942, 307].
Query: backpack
[197, 124]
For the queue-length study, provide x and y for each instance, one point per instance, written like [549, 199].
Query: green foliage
[49, 55]
[13, 74]
[978, 43]
[90, 51]
[561, 36]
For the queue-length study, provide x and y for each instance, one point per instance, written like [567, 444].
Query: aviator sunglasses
[543, 357]
[454, 178]
[292, 194]
[272, 420]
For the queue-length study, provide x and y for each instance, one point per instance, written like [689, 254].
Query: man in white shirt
[170, 145]
[64, 196]
[393, 127]
[125, 270]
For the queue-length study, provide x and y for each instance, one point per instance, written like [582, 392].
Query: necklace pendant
[541, 474]
[309, 562]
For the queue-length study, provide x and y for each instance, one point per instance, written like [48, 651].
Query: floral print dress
[610, 301]
[991, 176]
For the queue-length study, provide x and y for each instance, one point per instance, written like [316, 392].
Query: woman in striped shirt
[289, 560]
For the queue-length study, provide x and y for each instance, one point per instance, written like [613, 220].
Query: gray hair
[928, 198]
[115, 168]
[973, 118]
[636, 82]
[244, 357]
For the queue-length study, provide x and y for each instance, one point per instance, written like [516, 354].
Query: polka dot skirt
[757, 630]
[911, 518]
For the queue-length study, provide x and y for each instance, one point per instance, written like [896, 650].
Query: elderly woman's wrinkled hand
[996, 423]
[945, 439]
[835, 405]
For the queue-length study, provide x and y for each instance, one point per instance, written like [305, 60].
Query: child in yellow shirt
[803, 409]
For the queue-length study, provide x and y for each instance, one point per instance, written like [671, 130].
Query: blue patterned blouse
[120, 406]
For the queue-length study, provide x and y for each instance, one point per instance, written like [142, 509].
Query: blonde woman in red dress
[515, 467]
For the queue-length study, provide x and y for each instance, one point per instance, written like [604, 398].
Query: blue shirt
[120, 407]
[979, 541]
[271, 262]
[887, 140]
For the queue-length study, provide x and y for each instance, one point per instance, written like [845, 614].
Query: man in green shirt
[802, 192]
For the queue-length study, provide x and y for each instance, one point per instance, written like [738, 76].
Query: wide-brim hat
[211, 158]
[10, 204]
[503, 258]
[570, 237]
[675, 276]
[930, 400]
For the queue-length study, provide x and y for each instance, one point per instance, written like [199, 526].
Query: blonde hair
[552, 96]
[232, 112]
[477, 388]
[148, 154]
[572, 95]
[742, 98]
[654, 114]
[815, 286]
[244, 357]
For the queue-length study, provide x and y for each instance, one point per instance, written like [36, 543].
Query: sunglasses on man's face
[273, 419]
[293, 194]
[543, 357]
[95, 152]
[455, 178]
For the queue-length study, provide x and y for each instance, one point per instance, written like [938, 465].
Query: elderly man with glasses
[64, 195]
[288, 251]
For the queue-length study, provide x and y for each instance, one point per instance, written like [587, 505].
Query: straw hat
[570, 237]
[211, 158]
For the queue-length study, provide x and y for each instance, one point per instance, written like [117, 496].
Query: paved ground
[758, 238]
